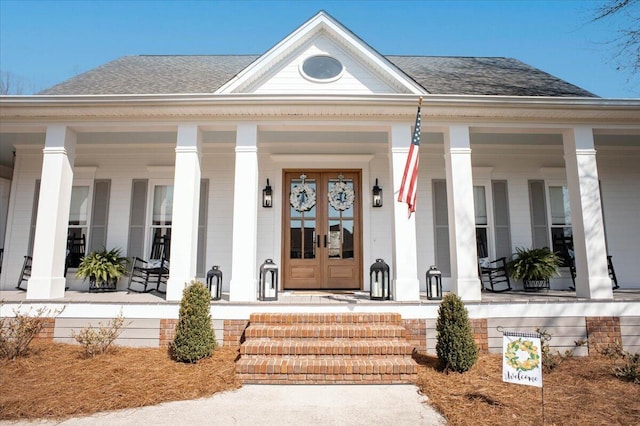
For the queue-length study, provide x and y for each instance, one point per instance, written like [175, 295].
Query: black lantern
[434, 283]
[214, 282]
[268, 281]
[267, 194]
[379, 288]
[376, 193]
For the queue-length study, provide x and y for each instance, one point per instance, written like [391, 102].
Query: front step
[369, 348]
[315, 348]
[326, 331]
[276, 370]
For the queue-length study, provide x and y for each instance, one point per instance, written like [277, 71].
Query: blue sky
[46, 42]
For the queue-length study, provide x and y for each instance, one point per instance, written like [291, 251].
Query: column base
[46, 288]
[175, 287]
[468, 289]
[595, 288]
[406, 290]
[243, 291]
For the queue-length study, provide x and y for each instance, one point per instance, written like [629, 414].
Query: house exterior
[510, 157]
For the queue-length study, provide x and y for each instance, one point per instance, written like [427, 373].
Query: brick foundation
[480, 335]
[167, 331]
[417, 334]
[234, 332]
[46, 334]
[602, 332]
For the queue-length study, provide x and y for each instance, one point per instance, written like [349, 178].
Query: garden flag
[522, 358]
[409, 182]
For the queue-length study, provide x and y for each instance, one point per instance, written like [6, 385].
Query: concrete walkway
[257, 405]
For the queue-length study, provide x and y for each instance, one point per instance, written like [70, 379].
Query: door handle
[318, 240]
[325, 241]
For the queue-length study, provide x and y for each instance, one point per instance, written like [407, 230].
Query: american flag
[410, 177]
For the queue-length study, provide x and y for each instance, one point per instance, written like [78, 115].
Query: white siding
[629, 327]
[564, 332]
[285, 78]
[135, 332]
[619, 175]
[220, 170]
[27, 170]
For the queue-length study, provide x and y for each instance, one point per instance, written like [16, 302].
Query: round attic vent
[322, 68]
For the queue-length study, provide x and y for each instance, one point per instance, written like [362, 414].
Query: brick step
[326, 348]
[324, 371]
[328, 331]
[316, 318]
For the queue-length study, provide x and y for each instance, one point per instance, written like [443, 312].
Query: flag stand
[542, 390]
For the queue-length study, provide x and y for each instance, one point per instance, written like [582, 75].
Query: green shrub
[455, 346]
[96, 341]
[195, 338]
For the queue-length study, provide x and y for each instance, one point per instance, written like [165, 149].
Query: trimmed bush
[195, 338]
[455, 346]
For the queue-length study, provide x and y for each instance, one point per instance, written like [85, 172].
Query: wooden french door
[322, 230]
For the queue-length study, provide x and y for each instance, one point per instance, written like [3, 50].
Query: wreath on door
[341, 195]
[302, 197]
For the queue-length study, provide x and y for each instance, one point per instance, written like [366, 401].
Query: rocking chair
[494, 274]
[146, 273]
[25, 273]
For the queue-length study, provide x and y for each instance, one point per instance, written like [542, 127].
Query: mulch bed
[580, 391]
[55, 381]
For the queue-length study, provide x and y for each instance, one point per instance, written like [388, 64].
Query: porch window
[79, 212]
[482, 232]
[561, 230]
[162, 211]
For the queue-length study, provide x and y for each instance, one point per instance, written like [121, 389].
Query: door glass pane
[335, 239]
[347, 239]
[309, 239]
[296, 239]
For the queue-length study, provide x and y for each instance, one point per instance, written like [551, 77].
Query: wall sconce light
[377, 195]
[267, 194]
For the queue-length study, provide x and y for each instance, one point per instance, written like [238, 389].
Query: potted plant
[103, 268]
[534, 267]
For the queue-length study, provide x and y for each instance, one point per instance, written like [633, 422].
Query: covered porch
[217, 170]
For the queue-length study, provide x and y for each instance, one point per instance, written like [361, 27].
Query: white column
[50, 244]
[406, 286]
[186, 202]
[462, 222]
[592, 277]
[243, 284]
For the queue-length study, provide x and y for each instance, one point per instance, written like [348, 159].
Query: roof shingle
[205, 74]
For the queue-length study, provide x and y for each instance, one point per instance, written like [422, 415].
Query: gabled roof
[322, 34]
[210, 74]
[206, 74]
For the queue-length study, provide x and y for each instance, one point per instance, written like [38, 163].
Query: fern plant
[535, 264]
[103, 266]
